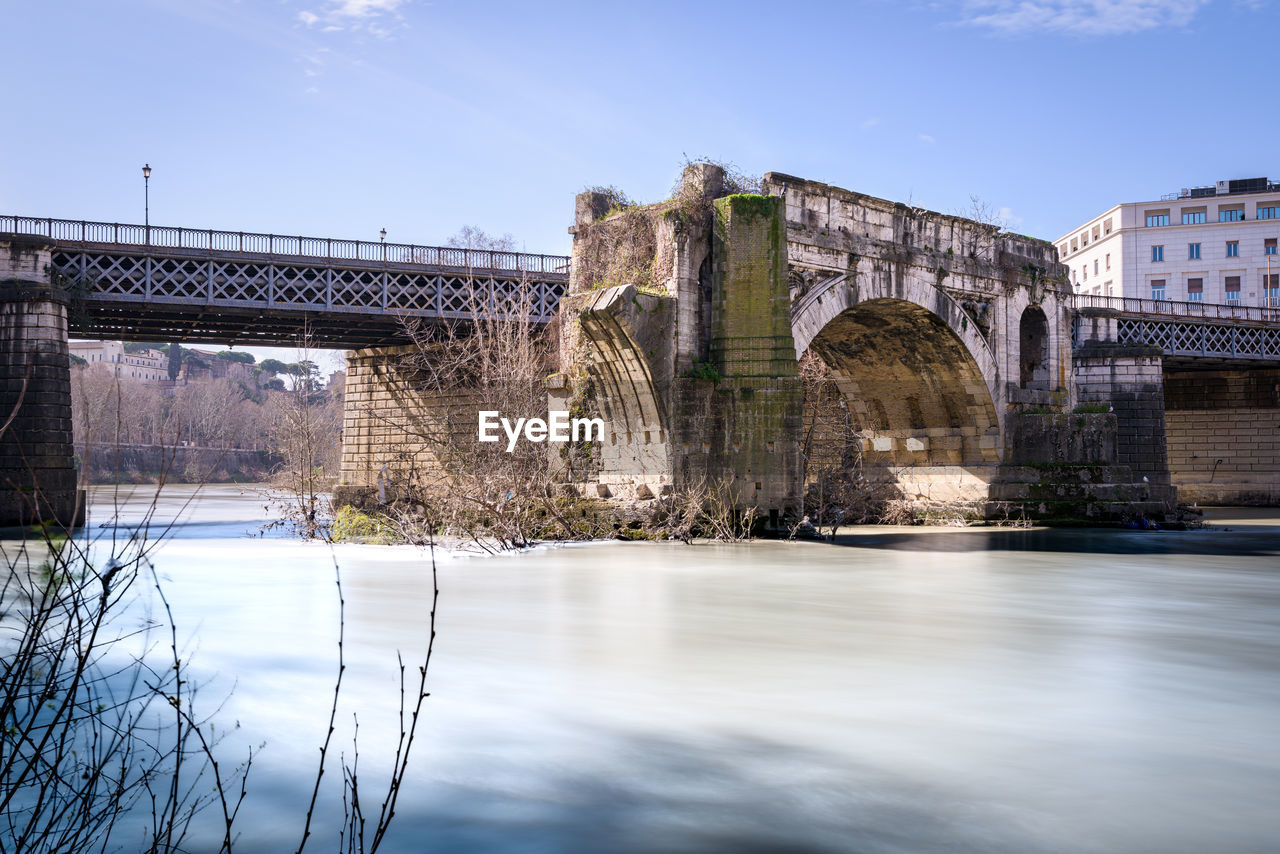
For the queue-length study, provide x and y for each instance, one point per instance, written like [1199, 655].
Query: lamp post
[382, 238]
[146, 200]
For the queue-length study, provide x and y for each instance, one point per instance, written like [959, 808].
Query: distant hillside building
[202, 365]
[1204, 244]
[146, 366]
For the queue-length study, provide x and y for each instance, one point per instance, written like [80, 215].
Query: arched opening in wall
[632, 454]
[918, 416]
[1033, 349]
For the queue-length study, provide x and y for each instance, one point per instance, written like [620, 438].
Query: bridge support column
[1129, 380]
[37, 470]
[750, 416]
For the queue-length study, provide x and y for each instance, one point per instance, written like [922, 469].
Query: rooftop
[1232, 187]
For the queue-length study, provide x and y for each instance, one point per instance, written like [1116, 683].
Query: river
[905, 690]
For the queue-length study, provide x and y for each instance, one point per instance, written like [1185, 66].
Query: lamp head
[146, 170]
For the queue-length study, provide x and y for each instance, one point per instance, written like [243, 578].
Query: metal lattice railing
[1216, 340]
[68, 231]
[1204, 310]
[230, 282]
[1198, 339]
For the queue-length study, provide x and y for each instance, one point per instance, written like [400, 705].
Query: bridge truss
[166, 284]
[1194, 333]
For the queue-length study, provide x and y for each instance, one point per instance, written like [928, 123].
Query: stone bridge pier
[38, 482]
[949, 341]
[678, 334]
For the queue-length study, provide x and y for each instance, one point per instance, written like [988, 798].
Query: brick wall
[1130, 380]
[1224, 435]
[385, 413]
[37, 469]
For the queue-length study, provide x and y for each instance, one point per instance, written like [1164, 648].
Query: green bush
[353, 526]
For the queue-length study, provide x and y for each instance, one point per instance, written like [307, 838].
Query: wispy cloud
[1079, 17]
[926, 139]
[376, 17]
[870, 122]
[1009, 219]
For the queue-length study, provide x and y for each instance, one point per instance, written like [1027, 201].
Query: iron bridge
[1194, 334]
[159, 283]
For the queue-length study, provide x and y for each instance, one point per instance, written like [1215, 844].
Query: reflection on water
[901, 691]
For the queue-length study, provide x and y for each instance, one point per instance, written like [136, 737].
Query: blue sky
[340, 117]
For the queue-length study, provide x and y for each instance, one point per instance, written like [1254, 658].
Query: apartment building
[147, 366]
[1214, 244]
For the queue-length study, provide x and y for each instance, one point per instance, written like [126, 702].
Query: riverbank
[142, 464]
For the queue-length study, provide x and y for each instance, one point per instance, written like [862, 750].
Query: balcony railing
[210, 240]
[1207, 310]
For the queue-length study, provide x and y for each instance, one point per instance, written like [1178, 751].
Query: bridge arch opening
[916, 399]
[1033, 349]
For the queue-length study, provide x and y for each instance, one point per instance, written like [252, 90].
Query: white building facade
[1214, 244]
[147, 366]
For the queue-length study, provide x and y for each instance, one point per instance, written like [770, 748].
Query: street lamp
[383, 235]
[146, 200]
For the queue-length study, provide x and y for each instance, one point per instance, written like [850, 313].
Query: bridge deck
[1193, 333]
[164, 284]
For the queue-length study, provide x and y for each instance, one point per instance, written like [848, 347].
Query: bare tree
[471, 237]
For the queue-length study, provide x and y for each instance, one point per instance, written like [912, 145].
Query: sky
[337, 118]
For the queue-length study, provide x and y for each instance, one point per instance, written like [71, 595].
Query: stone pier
[38, 481]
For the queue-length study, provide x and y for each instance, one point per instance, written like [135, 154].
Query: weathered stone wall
[385, 412]
[687, 352]
[1129, 380]
[1224, 435]
[744, 426]
[37, 472]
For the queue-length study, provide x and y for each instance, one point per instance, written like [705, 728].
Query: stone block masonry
[38, 482]
[1224, 435]
[1130, 381]
[755, 413]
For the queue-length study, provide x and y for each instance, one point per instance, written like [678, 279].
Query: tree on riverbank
[101, 739]
[111, 413]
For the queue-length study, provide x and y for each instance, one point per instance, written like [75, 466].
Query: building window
[1195, 290]
[1095, 266]
[1097, 232]
[1231, 287]
[1193, 217]
[1193, 251]
[1269, 213]
[1108, 260]
[1233, 248]
[1271, 290]
[1157, 253]
[1106, 227]
[1231, 215]
[1156, 220]
[1157, 289]
[1084, 273]
[1269, 246]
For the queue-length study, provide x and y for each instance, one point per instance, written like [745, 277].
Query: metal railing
[210, 240]
[1169, 308]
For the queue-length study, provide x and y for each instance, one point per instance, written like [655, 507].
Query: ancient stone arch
[920, 380]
